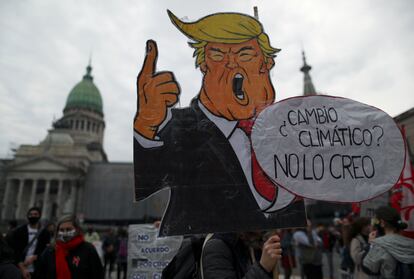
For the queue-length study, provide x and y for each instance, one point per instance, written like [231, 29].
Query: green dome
[85, 95]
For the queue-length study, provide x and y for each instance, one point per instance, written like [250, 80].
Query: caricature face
[236, 82]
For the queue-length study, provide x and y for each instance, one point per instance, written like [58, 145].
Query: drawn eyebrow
[244, 48]
[216, 49]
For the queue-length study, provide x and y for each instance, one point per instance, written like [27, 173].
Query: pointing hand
[156, 92]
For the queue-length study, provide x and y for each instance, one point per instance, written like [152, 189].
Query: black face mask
[33, 220]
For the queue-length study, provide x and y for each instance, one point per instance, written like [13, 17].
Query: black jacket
[83, 262]
[9, 271]
[209, 191]
[19, 239]
[226, 256]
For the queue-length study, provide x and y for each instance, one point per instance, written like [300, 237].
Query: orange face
[236, 83]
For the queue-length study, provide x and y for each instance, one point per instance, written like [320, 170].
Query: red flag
[356, 208]
[402, 197]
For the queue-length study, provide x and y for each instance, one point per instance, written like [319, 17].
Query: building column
[6, 201]
[73, 196]
[19, 199]
[33, 194]
[46, 206]
[59, 199]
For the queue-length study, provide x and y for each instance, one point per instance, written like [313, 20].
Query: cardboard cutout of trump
[203, 152]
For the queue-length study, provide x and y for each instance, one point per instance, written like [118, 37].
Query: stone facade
[56, 173]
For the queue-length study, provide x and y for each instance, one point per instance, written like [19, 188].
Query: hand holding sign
[328, 148]
[156, 92]
[271, 253]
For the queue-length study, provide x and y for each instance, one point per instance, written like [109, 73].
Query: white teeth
[240, 96]
[238, 76]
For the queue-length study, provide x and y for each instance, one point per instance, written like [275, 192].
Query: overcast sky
[362, 50]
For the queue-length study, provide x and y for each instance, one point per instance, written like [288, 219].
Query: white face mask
[66, 236]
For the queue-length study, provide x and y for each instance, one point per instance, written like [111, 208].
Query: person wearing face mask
[360, 230]
[70, 257]
[390, 254]
[28, 242]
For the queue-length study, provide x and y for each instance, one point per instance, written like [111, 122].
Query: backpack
[347, 263]
[186, 263]
[404, 271]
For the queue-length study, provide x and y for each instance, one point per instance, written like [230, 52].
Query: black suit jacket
[209, 191]
[19, 239]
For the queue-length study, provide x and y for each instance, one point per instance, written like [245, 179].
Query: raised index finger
[150, 62]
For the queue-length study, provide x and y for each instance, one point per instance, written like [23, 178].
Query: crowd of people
[364, 248]
[367, 247]
[62, 250]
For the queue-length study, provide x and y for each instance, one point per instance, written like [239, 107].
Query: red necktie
[264, 186]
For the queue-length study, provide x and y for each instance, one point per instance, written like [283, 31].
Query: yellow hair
[230, 28]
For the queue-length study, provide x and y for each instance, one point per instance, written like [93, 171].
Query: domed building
[68, 171]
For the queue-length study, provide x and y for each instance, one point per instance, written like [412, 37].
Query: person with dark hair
[91, 235]
[70, 257]
[51, 227]
[360, 230]
[240, 255]
[11, 226]
[109, 251]
[309, 246]
[28, 242]
[7, 269]
[347, 265]
[390, 254]
[288, 261]
[328, 244]
[122, 253]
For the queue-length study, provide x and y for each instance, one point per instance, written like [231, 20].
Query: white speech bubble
[329, 148]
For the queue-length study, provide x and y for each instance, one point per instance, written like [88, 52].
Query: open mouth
[238, 87]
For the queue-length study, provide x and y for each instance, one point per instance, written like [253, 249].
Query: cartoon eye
[246, 56]
[217, 57]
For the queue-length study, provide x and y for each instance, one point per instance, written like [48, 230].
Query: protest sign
[148, 254]
[202, 153]
[329, 148]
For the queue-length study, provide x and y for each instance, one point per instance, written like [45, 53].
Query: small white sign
[148, 254]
